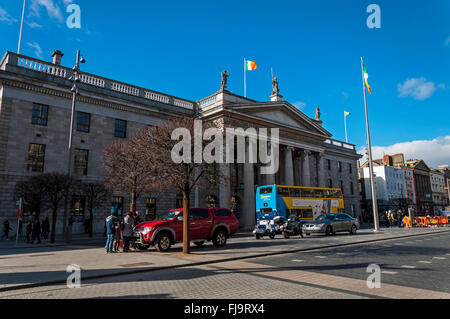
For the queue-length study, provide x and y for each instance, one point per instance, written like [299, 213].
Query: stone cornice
[84, 99]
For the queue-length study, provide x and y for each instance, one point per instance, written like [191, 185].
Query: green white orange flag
[250, 65]
[366, 76]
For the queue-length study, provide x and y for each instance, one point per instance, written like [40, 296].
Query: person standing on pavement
[45, 228]
[36, 231]
[6, 229]
[128, 223]
[117, 235]
[29, 231]
[110, 229]
[20, 232]
[399, 218]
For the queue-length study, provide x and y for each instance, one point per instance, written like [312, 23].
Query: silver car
[330, 224]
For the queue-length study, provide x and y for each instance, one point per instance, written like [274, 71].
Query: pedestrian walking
[109, 225]
[128, 223]
[29, 231]
[45, 228]
[36, 231]
[117, 236]
[20, 227]
[399, 218]
[6, 229]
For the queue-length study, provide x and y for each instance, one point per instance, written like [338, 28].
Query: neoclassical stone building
[35, 108]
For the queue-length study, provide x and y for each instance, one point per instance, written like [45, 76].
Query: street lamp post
[75, 78]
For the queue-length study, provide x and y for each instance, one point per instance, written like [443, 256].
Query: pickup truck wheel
[329, 231]
[163, 242]
[199, 243]
[219, 238]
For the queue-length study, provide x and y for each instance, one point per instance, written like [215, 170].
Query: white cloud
[418, 88]
[34, 25]
[37, 49]
[5, 17]
[299, 105]
[447, 42]
[434, 152]
[50, 6]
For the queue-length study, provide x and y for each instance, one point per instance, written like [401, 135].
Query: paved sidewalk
[25, 266]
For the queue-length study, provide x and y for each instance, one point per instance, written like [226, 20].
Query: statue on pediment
[225, 75]
[275, 89]
[317, 113]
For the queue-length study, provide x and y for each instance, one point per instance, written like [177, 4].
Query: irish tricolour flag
[250, 65]
[366, 76]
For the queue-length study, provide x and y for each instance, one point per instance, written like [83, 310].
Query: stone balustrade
[13, 59]
[340, 144]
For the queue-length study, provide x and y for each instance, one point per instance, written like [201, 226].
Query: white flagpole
[245, 79]
[345, 124]
[369, 152]
[21, 27]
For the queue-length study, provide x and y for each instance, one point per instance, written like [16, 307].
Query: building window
[150, 209]
[83, 122]
[342, 186]
[179, 202]
[339, 164]
[350, 169]
[78, 207]
[328, 164]
[120, 129]
[117, 205]
[351, 188]
[36, 155]
[81, 162]
[330, 183]
[39, 115]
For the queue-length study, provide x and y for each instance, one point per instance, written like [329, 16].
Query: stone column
[306, 176]
[248, 218]
[288, 167]
[298, 168]
[320, 169]
[224, 187]
[269, 179]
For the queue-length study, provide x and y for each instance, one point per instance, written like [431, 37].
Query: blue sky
[314, 47]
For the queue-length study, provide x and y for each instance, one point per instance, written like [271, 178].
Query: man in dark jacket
[29, 231]
[36, 230]
[45, 228]
[6, 229]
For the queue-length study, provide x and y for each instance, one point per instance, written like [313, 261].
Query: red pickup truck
[216, 224]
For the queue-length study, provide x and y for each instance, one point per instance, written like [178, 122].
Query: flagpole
[21, 27]
[245, 79]
[345, 124]
[369, 151]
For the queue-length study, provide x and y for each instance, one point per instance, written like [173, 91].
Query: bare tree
[158, 144]
[96, 194]
[32, 192]
[128, 169]
[56, 187]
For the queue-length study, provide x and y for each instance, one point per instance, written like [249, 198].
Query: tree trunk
[91, 224]
[186, 234]
[52, 235]
[133, 202]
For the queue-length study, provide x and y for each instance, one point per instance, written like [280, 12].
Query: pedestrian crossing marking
[425, 262]
[408, 267]
[320, 256]
[297, 260]
[440, 258]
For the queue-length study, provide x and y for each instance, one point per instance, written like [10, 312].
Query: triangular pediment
[282, 113]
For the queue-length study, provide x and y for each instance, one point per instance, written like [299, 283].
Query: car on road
[206, 224]
[330, 224]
